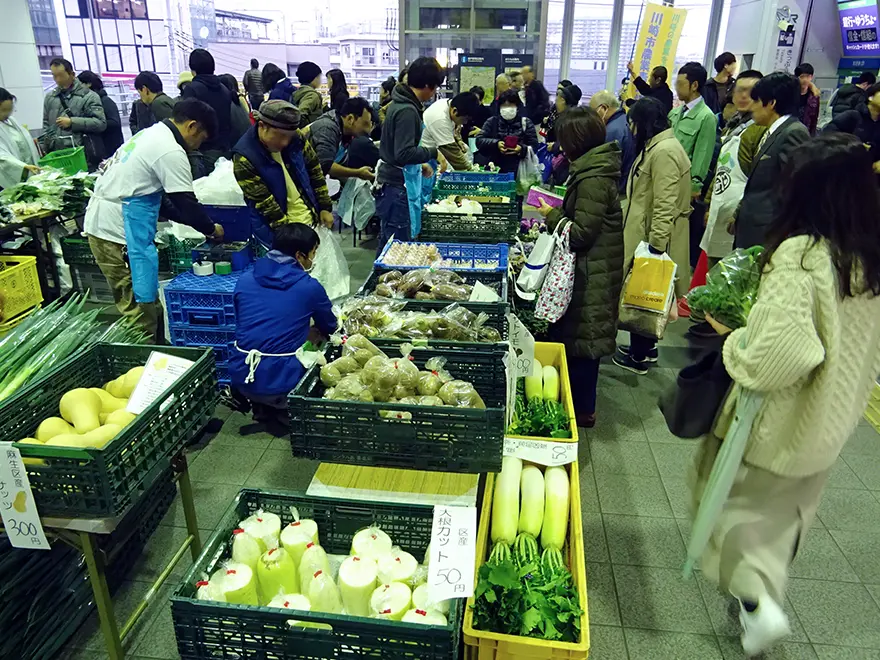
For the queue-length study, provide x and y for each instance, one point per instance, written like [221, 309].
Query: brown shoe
[585, 421]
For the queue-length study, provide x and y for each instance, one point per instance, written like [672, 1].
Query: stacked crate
[201, 313]
[496, 193]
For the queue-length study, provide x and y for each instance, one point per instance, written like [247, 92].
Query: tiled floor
[635, 504]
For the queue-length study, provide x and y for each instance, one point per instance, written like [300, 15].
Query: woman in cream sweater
[812, 349]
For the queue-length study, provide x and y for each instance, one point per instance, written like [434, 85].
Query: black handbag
[92, 143]
[691, 405]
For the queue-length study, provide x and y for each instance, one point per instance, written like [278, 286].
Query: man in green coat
[695, 127]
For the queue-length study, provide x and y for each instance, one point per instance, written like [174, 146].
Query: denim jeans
[393, 211]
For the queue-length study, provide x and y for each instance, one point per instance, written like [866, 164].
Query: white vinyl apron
[727, 193]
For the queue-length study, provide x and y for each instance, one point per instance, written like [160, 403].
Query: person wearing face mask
[616, 130]
[275, 305]
[505, 139]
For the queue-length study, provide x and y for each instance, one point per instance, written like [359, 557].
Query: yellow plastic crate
[19, 286]
[481, 645]
[6, 326]
[553, 355]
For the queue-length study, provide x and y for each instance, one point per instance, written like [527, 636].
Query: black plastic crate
[460, 228]
[104, 482]
[439, 438]
[492, 279]
[208, 629]
[76, 252]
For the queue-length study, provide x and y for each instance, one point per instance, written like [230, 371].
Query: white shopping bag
[531, 277]
[331, 267]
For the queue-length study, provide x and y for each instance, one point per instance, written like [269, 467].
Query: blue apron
[418, 193]
[140, 215]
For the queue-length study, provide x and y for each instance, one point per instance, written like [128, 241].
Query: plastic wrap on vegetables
[369, 316]
[429, 383]
[407, 370]
[437, 365]
[430, 400]
[371, 368]
[350, 388]
[387, 291]
[345, 365]
[330, 375]
[731, 288]
[390, 276]
[459, 292]
[412, 282]
[460, 394]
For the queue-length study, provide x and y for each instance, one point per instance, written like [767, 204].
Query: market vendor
[275, 304]
[279, 173]
[149, 171]
[18, 153]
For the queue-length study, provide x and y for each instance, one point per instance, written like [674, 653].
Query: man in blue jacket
[275, 304]
[616, 130]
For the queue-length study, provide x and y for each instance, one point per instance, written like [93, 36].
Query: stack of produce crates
[496, 193]
[20, 292]
[84, 271]
[201, 313]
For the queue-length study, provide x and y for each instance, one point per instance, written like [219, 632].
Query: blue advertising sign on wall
[858, 27]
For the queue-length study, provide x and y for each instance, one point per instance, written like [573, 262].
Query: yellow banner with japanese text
[657, 41]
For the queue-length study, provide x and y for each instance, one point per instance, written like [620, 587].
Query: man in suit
[695, 126]
[776, 98]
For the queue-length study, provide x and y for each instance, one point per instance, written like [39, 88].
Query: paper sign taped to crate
[160, 372]
[453, 552]
[523, 344]
[482, 293]
[17, 508]
[542, 452]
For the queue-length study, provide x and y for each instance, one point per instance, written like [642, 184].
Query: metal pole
[567, 32]
[100, 65]
[713, 33]
[542, 41]
[611, 80]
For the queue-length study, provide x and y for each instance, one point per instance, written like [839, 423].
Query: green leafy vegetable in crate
[520, 591]
[51, 190]
[731, 287]
[537, 410]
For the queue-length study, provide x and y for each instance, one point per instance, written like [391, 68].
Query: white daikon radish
[531, 510]
[421, 601]
[314, 559]
[390, 601]
[263, 525]
[297, 535]
[323, 594]
[397, 566]
[237, 583]
[556, 496]
[207, 590]
[426, 617]
[291, 602]
[357, 581]
[505, 501]
[371, 542]
[246, 548]
[276, 574]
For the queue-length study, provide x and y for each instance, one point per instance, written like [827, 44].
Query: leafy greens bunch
[731, 288]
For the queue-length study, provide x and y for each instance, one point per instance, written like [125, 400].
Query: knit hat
[278, 114]
[571, 95]
[307, 72]
[183, 78]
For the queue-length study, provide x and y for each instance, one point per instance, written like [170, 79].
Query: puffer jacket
[496, 129]
[592, 203]
[85, 111]
[310, 104]
[208, 88]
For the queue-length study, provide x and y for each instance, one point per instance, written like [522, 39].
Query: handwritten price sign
[17, 508]
[542, 452]
[453, 552]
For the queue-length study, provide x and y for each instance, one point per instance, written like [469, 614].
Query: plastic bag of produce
[390, 277]
[431, 400]
[324, 595]
[731, 288]
[357, 581]
[460, 394]
[219, 187]
[436, 365]
[360, 348]
[451, 291]
[263, 525]
[331, 267]
[390, 601]
[412, 282]
[397, 566]
[371, 542]
[369, 316]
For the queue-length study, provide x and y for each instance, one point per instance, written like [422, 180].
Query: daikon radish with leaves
[556, 499]
[531, 510]
[505, 501]
[534, 383]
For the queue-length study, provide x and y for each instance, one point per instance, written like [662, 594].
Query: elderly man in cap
[279, 172]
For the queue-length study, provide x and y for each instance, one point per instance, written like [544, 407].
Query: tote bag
[555, 296]
[533, 274]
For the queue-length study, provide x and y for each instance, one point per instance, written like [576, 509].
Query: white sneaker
[764, 627]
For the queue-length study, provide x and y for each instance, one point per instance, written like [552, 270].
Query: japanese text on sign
[542, 452]
[17, 508]
[657, 40]
[160, 372]
[453, 552]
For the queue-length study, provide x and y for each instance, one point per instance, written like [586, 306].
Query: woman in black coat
[112, 135]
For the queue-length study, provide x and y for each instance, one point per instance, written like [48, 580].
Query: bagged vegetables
[426, 284]
[731, 288]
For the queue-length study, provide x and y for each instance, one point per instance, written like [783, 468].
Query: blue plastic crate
[222, 371]
[220, 339]
[464, 257]
[235, 220]
[477, 177]
[201, 300]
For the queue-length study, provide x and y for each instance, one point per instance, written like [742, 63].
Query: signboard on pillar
[790, 18]
[657, 41]
[516, 62]
[858, 26]
[479, 69]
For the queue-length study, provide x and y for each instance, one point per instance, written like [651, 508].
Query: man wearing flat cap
[279, 172]
[307, 98]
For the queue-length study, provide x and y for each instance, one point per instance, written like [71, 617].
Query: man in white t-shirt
[148, 172]
[443, 121]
